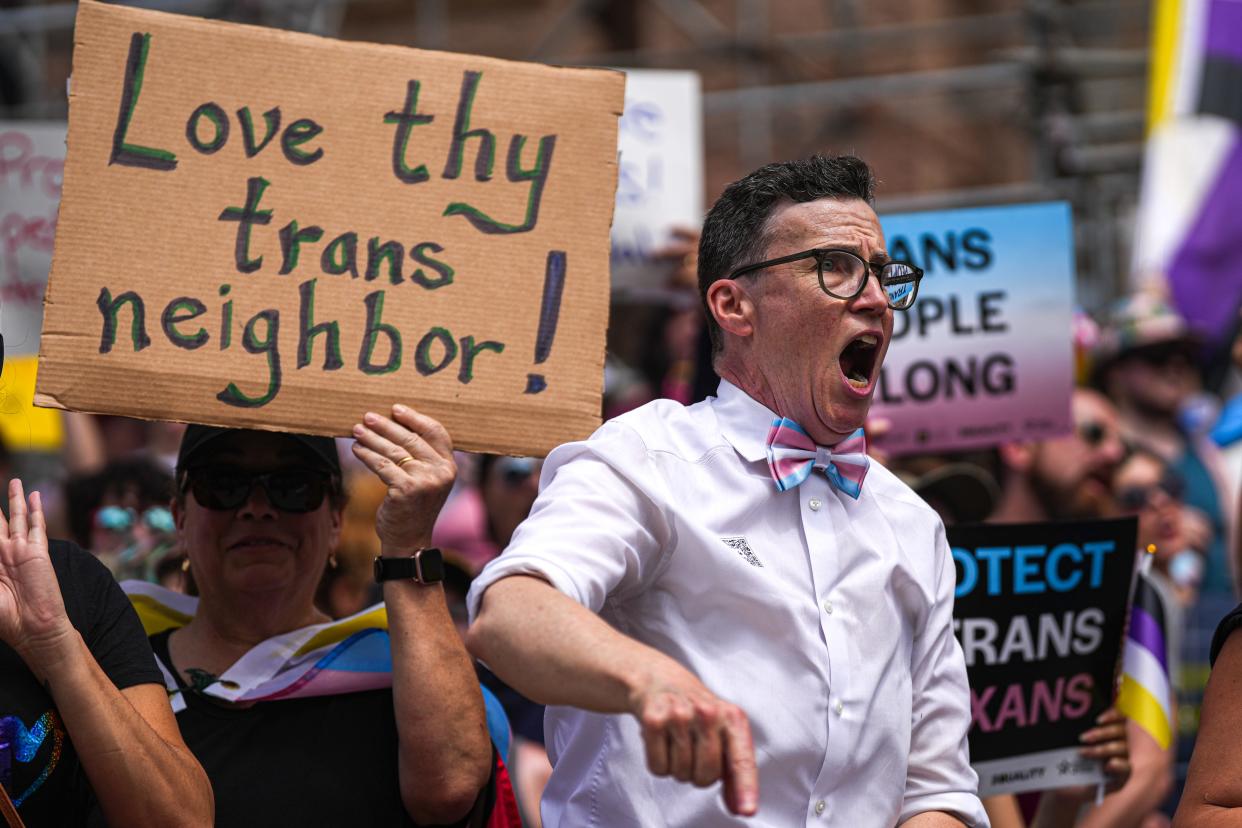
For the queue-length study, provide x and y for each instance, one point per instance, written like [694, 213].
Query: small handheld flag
[1146, 689]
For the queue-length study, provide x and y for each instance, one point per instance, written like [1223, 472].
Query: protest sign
[660, 184]
[23, 426]
[32, 162]
[1040, 612]
[268, 229]
[985, 354]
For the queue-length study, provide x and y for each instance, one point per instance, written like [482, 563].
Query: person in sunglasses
[1072, 478]
[479, 521]
[1150, 364]
[299, 720]
[1147, 487]
[1068, 477]
[730, 611]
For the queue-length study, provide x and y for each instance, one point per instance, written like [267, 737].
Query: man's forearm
[555, 651]
[138, 777]
[445, 751]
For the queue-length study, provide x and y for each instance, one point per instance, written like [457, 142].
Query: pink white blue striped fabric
[792, 455]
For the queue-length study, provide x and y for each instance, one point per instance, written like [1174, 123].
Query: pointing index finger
[741, 775]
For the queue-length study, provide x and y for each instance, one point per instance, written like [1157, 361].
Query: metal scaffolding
[1056, 84]
[1070, 74]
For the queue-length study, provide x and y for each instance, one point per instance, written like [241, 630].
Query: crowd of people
[546, 656]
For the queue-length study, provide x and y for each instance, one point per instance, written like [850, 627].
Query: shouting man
[730, 591]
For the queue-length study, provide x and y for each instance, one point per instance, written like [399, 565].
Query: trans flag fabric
[1146, 690]
[792, 455]
[344, 656]
[1190, 214]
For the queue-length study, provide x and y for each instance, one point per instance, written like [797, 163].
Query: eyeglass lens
[291, 490]
[843, 274]
[899, 282]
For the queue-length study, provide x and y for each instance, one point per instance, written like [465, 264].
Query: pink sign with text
[985, 356]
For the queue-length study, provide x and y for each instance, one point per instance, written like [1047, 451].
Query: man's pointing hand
[693, 736]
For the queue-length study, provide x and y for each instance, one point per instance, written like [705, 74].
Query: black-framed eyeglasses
[225, 488]
[843, 275]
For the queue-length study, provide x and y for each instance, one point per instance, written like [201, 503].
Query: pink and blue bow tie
[792, 455]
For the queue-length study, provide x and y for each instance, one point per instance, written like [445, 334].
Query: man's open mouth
[858, 360]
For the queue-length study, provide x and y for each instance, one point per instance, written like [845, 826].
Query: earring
[185, 565]
[332, 560]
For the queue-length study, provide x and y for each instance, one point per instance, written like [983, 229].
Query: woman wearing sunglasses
[299, 720]
[1145, 486]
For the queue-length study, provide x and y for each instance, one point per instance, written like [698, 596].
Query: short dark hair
[148, 479]
[734, 232]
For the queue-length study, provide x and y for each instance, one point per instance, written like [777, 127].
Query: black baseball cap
[198, 439]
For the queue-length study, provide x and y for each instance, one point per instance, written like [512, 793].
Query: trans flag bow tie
[792, 455]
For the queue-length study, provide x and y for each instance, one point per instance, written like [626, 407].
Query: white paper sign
[32, 164]
[660, 182]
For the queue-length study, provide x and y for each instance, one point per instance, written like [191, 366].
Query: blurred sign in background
[660, 186]
[32, 162]
[985, 355]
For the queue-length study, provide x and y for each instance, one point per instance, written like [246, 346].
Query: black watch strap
[426, 566]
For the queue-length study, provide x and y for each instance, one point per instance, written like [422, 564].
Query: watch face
[431, 566]
[377, 567]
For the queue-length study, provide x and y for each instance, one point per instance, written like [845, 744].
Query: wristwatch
[426, 566]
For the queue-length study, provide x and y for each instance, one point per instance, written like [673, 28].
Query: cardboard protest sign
[267, 229]
[1040, 613]
[32, 163]
[985, 355]
[660, 184]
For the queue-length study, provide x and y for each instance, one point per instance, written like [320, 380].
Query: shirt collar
[744, 421]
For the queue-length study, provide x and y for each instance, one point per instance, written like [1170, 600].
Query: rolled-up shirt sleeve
[939, 776]
[596, 529]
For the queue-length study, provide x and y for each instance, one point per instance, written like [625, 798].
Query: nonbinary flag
[1189, 231]
[1146, 692]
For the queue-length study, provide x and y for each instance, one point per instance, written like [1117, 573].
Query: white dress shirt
[827, 620]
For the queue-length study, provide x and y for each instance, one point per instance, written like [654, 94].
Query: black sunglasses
[225, 488]
[1094, 433]
[1162, 354]
[843, 275]
[1134, 498]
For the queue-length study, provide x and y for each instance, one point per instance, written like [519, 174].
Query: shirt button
[839, 707]
[828, 607]
[820, 806]
[814, 503]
